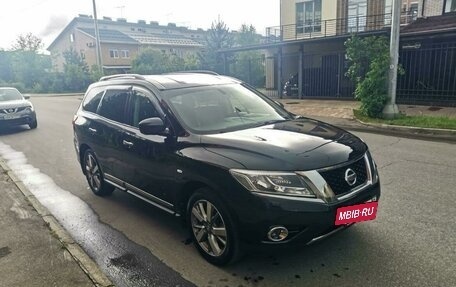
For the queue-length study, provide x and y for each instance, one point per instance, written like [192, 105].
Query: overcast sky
[47, 18]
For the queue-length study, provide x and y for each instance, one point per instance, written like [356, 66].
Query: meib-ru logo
[356, 213]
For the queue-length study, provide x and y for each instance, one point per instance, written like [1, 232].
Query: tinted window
[92, 100]
[140, 108]
[113, 105]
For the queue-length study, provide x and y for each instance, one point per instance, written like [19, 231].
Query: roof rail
[122, 76]
[194, 72]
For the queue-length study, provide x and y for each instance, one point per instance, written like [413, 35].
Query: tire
[33, 125]
[94, 175]
[216, 238]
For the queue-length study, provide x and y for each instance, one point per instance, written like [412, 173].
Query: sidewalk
[340, 113]
[30, 253]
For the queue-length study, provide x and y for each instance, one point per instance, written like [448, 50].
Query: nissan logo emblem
[11, 111]
[350, 176]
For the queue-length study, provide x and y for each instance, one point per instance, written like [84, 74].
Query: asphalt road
[411, 243]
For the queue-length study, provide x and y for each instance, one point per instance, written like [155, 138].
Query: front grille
[12, 110]
[336, 177]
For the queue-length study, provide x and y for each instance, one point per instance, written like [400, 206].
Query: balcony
[334, 27]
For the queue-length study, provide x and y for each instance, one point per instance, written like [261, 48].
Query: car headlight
[29, 109]
[374, 169]
[279, 183]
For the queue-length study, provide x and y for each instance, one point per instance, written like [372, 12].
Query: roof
[84, 20]
[433, 24]
[109, 36]
[168, 40]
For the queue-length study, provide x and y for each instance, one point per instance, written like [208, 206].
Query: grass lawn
[412, 121]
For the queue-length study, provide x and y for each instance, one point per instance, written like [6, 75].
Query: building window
[413, 11]
[114, 53]
[308, 16]
[71, 37]
[357, 15]
[388, 12]
[83, 55]
[450, 6]
[125, 54]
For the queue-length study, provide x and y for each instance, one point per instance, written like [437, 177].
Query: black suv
[233, 163]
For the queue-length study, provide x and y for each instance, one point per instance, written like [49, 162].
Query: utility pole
[391, 110]
[97, 36]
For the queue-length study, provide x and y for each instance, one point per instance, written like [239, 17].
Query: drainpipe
[422, 8]
[300, 66]
[279, 76]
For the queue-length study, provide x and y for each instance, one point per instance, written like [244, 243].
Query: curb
[415, 132]
[88, 266]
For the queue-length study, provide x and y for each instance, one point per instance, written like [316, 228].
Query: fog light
[277, 233]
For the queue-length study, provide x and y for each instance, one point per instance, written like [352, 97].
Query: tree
[76, 71]
[6, 66]
[28, 42]
[248, 65]
[369, 66]
[247, 35]
[217, 38]
[151, 61]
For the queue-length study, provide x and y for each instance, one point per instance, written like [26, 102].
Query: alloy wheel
[93, 172]
[209, 228]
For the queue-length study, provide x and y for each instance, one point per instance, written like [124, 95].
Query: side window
[140, 108]
[92, 100]
[113, 105]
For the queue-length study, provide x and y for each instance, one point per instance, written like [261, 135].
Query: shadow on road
[13, 130]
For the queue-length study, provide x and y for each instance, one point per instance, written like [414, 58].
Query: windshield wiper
[270, 122]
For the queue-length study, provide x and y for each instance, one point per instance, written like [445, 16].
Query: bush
[369, 67]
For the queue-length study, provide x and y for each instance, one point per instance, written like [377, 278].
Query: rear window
[113, 105]
[92, 100]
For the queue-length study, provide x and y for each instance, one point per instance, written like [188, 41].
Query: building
[120, 41]
[309, 46]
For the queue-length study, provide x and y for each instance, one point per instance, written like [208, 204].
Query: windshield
[222, 108]
[9, 95]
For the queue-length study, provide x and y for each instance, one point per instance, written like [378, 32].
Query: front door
[147, 157]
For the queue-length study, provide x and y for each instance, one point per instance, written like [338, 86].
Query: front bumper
[20, 119]
[307, 221]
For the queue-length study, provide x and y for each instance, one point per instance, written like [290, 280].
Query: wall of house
[61, 46]
[108, 61]
[288, 19]
[86, 46]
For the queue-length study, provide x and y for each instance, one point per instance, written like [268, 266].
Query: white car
[15, 109]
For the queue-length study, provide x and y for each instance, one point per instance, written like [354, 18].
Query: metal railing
[333, 27]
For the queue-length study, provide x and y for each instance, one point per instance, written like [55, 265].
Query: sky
[47, 18]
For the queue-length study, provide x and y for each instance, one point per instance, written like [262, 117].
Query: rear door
[107, 128]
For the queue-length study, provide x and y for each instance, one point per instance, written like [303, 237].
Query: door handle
[127, 143]
[92, 130]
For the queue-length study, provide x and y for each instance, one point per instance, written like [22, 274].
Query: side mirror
[152, 126]
[26, 97]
